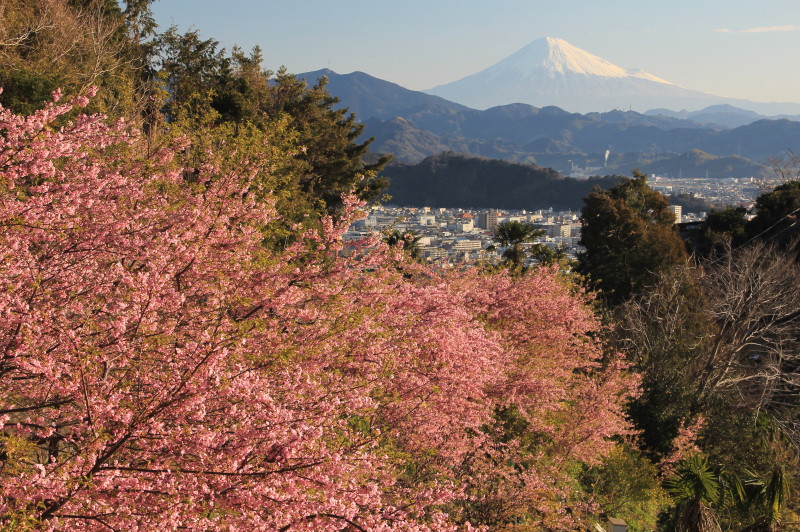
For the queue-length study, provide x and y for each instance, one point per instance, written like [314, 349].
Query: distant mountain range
[551, 71]
[539, 144]
[413, 125]
[724, 115]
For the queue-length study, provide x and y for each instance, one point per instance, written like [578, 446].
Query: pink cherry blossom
[162, 369]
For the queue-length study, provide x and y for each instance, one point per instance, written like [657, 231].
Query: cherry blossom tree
[161, 368]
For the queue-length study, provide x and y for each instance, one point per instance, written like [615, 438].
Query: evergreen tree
[777, 214]
[331, 160]
[628, 234]
[206, 86]
[720, 229]
[191, 69]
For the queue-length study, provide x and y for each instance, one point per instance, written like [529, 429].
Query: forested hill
[458, 180]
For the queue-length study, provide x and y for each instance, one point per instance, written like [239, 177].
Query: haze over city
[728, 48]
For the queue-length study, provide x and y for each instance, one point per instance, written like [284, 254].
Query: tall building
[559, 230]
[677, 210]
[488, 220]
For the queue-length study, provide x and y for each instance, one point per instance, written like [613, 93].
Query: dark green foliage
[192, 69]
[720, 229]
[199, 76]
[457, 180]
[768, 495]
[659, 412]
[697, 487]
[512, 235]
[714, 497]
[139, 20]
[775, 221]
[762, 459]
[243, 92]
[330, 161]
[730, 221]
[409, 242]
[544, 254]
[629, 236]
[204, 83]
[777, 214]
[25, 91]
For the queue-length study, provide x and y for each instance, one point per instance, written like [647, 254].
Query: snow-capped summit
[557, 56]
[551, 71]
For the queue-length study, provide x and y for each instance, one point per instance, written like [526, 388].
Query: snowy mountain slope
[552, 57]
[552, 71]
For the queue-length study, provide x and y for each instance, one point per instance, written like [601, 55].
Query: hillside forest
[186, 342]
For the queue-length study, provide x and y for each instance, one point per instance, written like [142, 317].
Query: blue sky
[734, 48]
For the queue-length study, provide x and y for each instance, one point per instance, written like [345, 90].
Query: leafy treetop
[628, 234]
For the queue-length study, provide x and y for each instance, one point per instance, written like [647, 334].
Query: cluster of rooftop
[450, 236]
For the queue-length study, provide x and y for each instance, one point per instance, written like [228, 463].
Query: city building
[677, 210]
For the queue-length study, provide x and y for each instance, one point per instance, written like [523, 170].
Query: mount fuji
[551, 71]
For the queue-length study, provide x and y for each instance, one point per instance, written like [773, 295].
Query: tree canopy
[628, 235]
[720, 229]
[777, 213]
